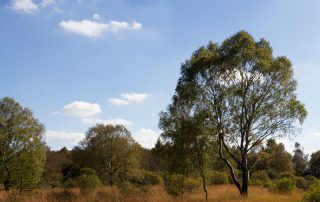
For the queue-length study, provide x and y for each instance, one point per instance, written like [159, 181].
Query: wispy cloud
[27, 6]
[92, 28]
[46, 3]
[128, 98]
[146, 137]
[119, 121]
[82, 109]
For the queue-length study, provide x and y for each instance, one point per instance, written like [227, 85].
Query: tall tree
[300, 160]
[110, 148]
[22, 151]
[314, 164]
[248, 93]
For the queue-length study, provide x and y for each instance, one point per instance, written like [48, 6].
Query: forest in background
[231, 102]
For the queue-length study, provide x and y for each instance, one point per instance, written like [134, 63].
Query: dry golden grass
[220, 193]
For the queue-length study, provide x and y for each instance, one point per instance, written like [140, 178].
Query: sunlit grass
[219, 193]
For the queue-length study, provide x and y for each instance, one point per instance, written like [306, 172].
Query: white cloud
[46, 3]
[117, 101]
[128, 98]
[119, 121]
[316, 134]
[59, 139]
[83, 109]
[25, 5]
[93, 29]
[96, 17]
[146, 137]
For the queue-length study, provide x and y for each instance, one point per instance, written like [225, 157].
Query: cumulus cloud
[128, 98]
[146, 137]
[82, 109]
[92, 28]
[59, 139]
[119, 121]
[27, 6]
[316, 134]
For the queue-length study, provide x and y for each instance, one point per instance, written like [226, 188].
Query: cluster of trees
[231, 101]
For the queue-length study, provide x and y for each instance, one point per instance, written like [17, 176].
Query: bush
[70, 183]
[313, 194]
[216, 177]
[285, 185]
[268, 184]
[259, 177]
[88, 183]
[63, 196]
[87, 171]
[179, 184]
[150, 178]
[301, 183]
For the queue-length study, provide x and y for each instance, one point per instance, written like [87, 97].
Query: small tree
[300, 160]
[110, 149]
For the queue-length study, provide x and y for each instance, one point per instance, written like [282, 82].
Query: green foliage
[64, 196]
[70, 183]
[314, 164]
[285, 185]
[22, 153]
[260, 177]
[216, 177]
[88, 183]
[301, 183]
[151, 178]
[87, 171]
[109, 149]
[179, 184]
[313, 194]
[300, 160]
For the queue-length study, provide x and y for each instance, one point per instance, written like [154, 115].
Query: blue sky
[79, 62]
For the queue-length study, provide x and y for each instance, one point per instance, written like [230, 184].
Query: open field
[219, 193]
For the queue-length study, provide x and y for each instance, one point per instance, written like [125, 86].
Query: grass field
[219, 193]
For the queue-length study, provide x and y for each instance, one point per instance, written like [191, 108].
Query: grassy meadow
[219, 193]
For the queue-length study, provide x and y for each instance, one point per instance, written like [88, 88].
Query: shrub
[216, 177]
[285, 185]
[259, 177]
[70, 183]
[179, 184]
[268, 184]
[301, 183]
[287, 175]
[88, 183]
[313, 194]
[87, 171]
[63, 196]
[150, 178]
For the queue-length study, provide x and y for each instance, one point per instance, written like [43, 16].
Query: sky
[76, 63]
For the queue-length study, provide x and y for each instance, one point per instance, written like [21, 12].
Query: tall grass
[218, 193]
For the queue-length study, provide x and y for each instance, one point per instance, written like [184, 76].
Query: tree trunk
[111, 179]
[245, 176]
[6, 185]
[204, 184]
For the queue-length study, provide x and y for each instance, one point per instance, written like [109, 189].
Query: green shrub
[287, 175]
[179, 184]
[301, 183]
[70, 183]
[285, 185]
[313, 194]
[259, 177]
[88, 183]
[64, 196]
[87, 171]
[216, 177]
[150, 178]
[268, 184]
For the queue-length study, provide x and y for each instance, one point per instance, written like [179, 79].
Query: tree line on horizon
[231, 101]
